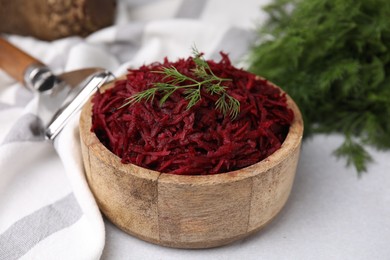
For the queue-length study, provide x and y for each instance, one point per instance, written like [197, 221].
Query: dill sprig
[333, 59]
[174, 80]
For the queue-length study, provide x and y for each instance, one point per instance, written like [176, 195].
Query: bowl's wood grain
[190, 211]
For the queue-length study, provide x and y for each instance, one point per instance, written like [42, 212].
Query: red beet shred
[201, 140]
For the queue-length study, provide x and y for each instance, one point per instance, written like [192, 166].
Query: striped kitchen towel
[46, 208]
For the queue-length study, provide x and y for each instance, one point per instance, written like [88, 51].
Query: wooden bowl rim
[291, 143]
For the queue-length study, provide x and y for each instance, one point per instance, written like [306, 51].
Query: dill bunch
[333, 58]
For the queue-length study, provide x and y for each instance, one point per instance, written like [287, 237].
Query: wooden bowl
[190, 211]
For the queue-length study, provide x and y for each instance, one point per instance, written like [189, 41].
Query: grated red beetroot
[200, 140]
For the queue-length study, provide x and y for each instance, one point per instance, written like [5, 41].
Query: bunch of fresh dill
[333, 58]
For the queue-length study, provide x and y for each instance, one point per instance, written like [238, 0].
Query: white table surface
[331, 214]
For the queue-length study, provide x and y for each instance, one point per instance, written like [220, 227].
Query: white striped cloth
[46, 208]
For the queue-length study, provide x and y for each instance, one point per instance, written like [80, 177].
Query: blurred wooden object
[53, 19]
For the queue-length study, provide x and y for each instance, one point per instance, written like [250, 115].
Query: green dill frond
[205, 79]
[172, 75]
[354, 154]
[147, 95]
[215, 89]
[193, 96]
[234, 107]
[222, 105]
[228, 105]
[167, 94]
